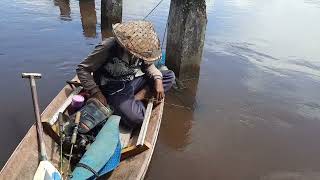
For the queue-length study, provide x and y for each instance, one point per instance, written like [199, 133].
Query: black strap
[88, 168]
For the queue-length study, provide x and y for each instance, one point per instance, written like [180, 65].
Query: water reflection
[65, 11]
[313, 2]
[255, 124]
[278, 33]
[293, 175]
[88, 18]
[178, 116]
[106, 33]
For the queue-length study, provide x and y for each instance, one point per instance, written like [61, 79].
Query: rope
[152, 9]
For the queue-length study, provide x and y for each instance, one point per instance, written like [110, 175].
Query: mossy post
[186, 33]
[111, 13]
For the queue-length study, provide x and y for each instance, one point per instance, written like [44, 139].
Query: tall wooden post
[186, 32]
[111, 13]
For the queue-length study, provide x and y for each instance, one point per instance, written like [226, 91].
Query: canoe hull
[24, 161]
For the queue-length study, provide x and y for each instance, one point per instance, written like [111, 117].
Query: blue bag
[103, 154]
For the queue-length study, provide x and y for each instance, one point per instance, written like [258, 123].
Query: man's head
[139, 39]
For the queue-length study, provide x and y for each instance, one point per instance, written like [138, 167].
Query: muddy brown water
[253, 112]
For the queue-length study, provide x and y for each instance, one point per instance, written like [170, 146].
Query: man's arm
[156, 75]
[92, 63]
[152, 71]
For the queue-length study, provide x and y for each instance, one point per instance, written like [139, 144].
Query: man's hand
[98, 95]
[159, 91]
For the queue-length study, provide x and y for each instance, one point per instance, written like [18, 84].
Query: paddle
[45, 171]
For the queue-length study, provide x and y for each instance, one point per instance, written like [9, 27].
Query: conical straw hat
[139, 38]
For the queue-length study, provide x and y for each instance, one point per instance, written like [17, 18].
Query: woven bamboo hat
[139, 38]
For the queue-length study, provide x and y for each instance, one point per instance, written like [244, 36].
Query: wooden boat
[24, 160]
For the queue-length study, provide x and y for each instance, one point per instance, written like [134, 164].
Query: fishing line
[170, 104]
[179, 106]
[152, 10]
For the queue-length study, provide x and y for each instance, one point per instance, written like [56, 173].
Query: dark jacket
[101, 63]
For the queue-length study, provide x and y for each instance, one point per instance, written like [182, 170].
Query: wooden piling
[111, 13]
[186, 33]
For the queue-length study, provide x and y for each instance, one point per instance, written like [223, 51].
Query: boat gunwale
[148, 156]
[34, 124]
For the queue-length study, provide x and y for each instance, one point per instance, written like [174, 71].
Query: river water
[253, 112]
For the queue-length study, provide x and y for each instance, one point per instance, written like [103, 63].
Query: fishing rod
[74, 137]
[61, 134]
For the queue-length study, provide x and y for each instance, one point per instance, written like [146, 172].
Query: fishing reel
[82, 143]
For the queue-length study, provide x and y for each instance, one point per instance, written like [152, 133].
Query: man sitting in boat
[124, 71]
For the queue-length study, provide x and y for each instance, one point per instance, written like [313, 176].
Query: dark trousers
[132, 111]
